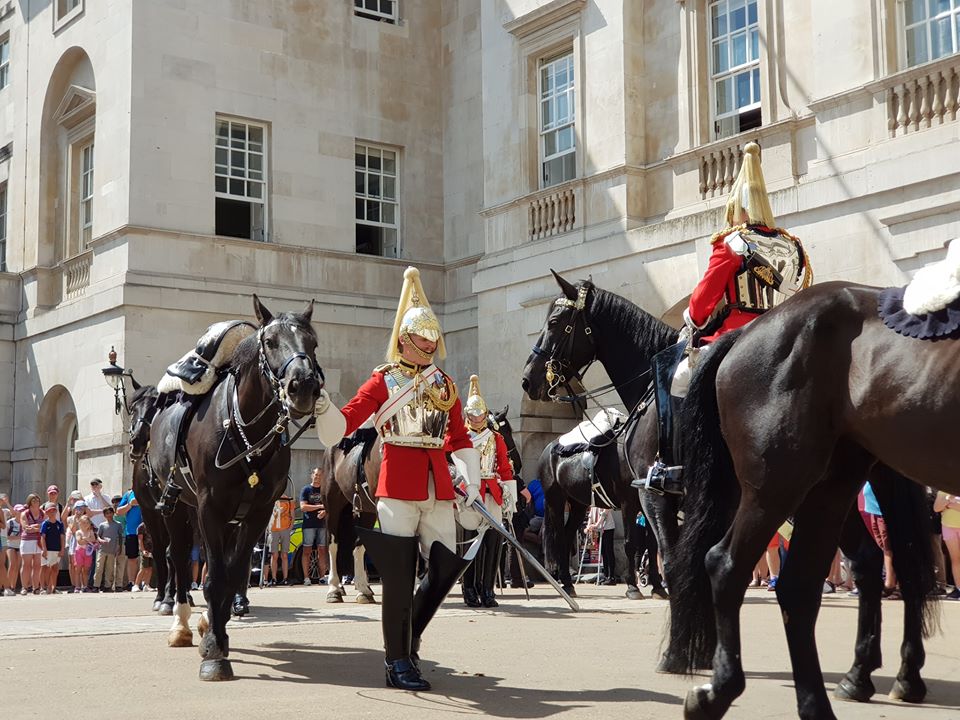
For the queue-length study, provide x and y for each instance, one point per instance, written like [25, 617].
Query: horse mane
[645, 330]
[144, 391]
[247, 353]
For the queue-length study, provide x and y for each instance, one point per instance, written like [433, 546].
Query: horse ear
[506, 409]
[569, 290]
[307, 313]
[264, 316]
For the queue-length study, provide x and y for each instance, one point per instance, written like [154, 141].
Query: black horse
[236, 446]
[584, 324]
[788, 417]
[899, 500]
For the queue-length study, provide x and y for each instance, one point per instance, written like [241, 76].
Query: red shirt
[504, 471]
[718, 281]
[404, 471]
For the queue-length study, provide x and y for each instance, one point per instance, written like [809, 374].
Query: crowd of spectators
[99, 542]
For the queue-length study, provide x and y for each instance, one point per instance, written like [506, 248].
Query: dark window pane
[236, 187]
[358, 183]
[360, 209]
[373, 185]
[360, 158]
[373, 210]
[221, 184]
[369, 240]
[233, 218]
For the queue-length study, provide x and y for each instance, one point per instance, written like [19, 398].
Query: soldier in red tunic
[499, 492]
[753, 266]
[418, 414]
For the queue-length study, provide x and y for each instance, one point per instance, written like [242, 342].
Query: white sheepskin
[171, 383]
[935, 286]
[589, 430]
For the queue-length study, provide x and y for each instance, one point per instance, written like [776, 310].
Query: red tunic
[504, 471]
[404, 471]
[718, 281]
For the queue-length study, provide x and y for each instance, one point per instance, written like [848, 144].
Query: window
[3, 227]
[558, 146]
[65, 7]
[734, 66]
[933, 29]
[86, 195]
[240, 179]
[66, 12]
[4, 61]
[377, 208]
[382, 10]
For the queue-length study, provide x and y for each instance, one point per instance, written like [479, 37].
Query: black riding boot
[470, 581]
[396, 559]
[168, 499]
[443, 571]
[664, 476]
[492, 545]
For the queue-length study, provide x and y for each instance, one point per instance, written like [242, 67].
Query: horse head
[565, 347]
[498, 419]
[287, 346]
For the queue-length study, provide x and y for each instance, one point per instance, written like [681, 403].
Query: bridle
[559, 369]
[275, 378]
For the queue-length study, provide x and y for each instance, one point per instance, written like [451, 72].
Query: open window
[377, 193]
[734, 66]
[240, 179]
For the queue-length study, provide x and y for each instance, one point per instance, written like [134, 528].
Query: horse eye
[270, 343]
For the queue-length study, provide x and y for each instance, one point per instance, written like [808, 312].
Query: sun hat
[76, 495]
[49, 506]
[19, 507]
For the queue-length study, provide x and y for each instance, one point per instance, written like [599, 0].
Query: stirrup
[662, 479]
[168, 500]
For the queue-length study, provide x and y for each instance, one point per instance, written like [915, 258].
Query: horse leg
[866, 564]
[653, 568]
[630, 546]
[729, 565]
[570, 530]
[181, 539]
[909, 686]
[219, 591]
[360, 580]
[336, 592]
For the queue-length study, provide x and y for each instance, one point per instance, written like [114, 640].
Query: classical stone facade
[597, 137]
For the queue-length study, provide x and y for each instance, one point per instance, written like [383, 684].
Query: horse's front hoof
[216, 670]
[156, 606]
[366, 599]
[165, 609]
[909, 691]
[335, 596]
[851, 691]
[180, 638]
[672, 664]
[700, 704]
[633, 593]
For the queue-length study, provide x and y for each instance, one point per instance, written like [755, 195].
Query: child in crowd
[52, 541]
[146, 559]
[110, 534]
[87, 543]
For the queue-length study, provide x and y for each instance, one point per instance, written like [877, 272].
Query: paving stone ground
[296, 656]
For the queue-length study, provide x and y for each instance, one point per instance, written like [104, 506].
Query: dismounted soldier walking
[419, 417]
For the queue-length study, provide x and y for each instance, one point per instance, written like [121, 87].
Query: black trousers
[608, 554]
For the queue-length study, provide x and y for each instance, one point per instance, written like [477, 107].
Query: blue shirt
[52, 532]
[536, 494]
[870, 504]
[133, 517]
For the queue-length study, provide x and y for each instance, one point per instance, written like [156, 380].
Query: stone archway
[57, 434]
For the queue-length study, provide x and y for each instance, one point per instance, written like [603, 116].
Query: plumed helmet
[475, 403]
[414, 317]
[748, 198]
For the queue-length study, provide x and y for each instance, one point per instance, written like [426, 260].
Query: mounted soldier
[419, 417]
[754, 266]
[499, 493]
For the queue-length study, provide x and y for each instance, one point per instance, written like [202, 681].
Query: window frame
[570, 90]
[377, 15]
[264, 179]
[381, 199]
[63, 16]
[751, 66]
[3, 226]
[953, 14]
[85, 180]
[4, 64]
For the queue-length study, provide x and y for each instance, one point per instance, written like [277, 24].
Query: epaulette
[722, 235]
[385, 368]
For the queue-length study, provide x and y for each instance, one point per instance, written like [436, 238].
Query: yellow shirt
[950, 517]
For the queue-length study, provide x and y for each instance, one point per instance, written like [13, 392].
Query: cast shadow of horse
[453, 692]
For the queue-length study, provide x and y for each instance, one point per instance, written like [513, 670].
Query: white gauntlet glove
[509, 488]
[467, 462]
[331, 423]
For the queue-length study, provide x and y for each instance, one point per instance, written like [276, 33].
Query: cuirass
[422, 421]
[756, 288]
[488, 454]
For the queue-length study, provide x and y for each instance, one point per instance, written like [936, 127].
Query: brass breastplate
[756, 289]
[422, 421]
[488, 454]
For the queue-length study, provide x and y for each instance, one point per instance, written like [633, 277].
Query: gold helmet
[475, 404]
[414, 317]
[748, 201]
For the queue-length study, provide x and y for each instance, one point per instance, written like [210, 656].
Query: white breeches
[493, 508]
[431, 520]
[681, 378]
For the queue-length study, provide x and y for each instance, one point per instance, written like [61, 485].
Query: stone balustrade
[923, 97]
[76, 275]
[552, 213]
[719, 168]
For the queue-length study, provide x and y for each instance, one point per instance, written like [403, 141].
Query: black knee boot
[492, 544]
[396, 559]
[443, 571]
[664, 476]
[470, 581]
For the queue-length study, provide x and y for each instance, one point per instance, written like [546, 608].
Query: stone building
[161, 161]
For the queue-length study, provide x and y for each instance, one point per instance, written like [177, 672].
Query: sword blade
[524, 553]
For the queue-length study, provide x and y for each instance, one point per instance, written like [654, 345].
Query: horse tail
[906, 514]
[711, 497]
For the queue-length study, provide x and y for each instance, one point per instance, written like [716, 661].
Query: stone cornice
[543, 16]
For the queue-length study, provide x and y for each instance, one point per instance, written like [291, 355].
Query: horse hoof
[633, 593]
[699, 704]
[216, 670]
[909, 691]
[852, 692]
[672, 665]
[365, 599]
[180, 638]
[570, 590]
[156, 605]
[660, 594]
[334, 596]
[166, 609]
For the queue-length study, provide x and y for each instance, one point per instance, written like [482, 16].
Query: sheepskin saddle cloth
[929, 307]
[196, 372]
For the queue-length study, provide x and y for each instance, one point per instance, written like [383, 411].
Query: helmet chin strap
[406, 340]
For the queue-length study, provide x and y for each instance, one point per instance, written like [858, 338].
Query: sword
[524, 553]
